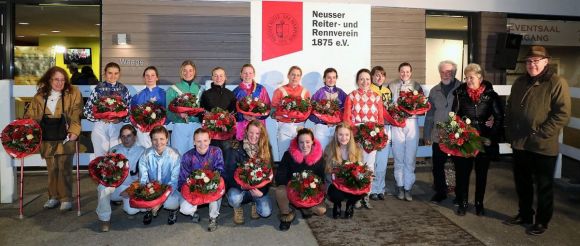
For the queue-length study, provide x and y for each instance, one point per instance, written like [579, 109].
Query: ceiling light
[23, 23]
[121, 39]
[20, 36]
[55, 31]
[98, 24]
[43, 34]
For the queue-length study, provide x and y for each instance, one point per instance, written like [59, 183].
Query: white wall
[438, 50]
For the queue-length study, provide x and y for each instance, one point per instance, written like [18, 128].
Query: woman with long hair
[255, 145]
[341, 148]
[184, 125]
[57, 103]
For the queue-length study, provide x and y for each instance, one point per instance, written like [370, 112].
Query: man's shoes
[381, 196]
[51, 203]
[438, 197]
[408, 196]
[518, 220]
[147, 218]
[212, 224]
[479, 210]
[536, 229]
[374, 197]
[105, 226]
[66, 206]
[172, 218]
[195, 217]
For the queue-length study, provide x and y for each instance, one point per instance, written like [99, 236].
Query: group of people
[533, 123]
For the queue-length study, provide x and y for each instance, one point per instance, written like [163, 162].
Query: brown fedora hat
[537, 51]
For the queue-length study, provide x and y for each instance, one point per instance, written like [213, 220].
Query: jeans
[238, 197]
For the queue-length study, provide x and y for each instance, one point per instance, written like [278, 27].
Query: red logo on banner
[281, 28]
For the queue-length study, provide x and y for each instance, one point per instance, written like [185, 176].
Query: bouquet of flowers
[413, 102]
[352, 177]
[327, 111]
[293, 109]
[149, 195]
[147, 116]
[203, 186]
[220, 123]
[185, 103]
[458, 137]
[253, 106]
[21, 138]
[371, 136]
[109, 170]
[110, 108]
[253, 174]
[305, 190]
[394, 115]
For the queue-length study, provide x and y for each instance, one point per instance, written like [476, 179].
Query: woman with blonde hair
[255, 145]
[341, 148]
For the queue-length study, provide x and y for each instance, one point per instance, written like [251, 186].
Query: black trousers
[529, 169]
[336, 196]
[463, 167]
[439, 158]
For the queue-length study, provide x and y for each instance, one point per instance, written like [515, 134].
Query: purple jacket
[192, 160]
[327, 92]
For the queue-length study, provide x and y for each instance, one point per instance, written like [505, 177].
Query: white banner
[546, 32]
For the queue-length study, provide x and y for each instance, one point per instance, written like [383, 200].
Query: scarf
[251, 149]
[475, 94]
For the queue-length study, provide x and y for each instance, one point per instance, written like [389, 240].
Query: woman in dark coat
[475, 99]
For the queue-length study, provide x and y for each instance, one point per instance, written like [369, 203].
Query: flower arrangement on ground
[110, 108]
[327, 110]
[371, 136]
[147, 116]
[203, 186]
[293, 109]
[21, 138]
[255, 173]
[220, 123]
[305, 190]
[458, 138]
[253, 107]
[352, 177]
[109, 170]
[413, 102]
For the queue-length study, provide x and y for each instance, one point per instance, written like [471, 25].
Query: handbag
[54, 129]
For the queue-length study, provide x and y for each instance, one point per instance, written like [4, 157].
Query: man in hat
[538, 108]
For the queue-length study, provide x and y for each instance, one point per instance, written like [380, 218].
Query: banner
[546, 32]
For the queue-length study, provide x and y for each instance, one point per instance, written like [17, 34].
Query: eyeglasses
[534, 61]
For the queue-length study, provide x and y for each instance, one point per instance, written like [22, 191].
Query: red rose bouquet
[110, 108]
[253, 174]
[147, 116]
[413, 102]
[305, 190]
[149, 195]
[371, 136]
[203, 186]
[109, 170]
[394, 115]
[458, 137]
[21, 138]
[327, 111]
[253, 106]
[352, 177]
[220, 123]
[185, 103]
[293, 109]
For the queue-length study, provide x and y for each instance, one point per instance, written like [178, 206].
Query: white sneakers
[51, 203]
[66, 206]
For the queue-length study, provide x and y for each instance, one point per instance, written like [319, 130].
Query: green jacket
[537, 109]
[184, 87]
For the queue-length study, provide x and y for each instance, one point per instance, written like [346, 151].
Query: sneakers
[401, 194]
[105, 225]
[66, 206]
[374, 197]
[147, 218]
[195, 218]
[254, 215]
[366, 203]
[212, 224]
[408, 196]
[239, 216]
[51, 203]
[172, 218]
